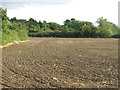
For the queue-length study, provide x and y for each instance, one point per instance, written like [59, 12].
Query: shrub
[22, 34]
[9, 36]
[116, 36]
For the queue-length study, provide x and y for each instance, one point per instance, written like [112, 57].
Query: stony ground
[61, 62]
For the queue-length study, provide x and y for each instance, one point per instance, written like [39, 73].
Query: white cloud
[86, 10]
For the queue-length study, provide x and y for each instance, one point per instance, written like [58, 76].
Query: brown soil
[61, 62]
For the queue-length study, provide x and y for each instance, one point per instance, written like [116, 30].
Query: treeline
[74, 28]
[19, 29]
[71, 28]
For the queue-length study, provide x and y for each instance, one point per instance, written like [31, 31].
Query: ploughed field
[61, 63]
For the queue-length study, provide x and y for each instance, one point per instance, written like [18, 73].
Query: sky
[60, 10]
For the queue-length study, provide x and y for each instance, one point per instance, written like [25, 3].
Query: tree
[67, 23]
[33, 25]
[77, 25]
[11, 28]
[66, 29]
[72, 19]
[40, 24]
[5, 21]
[53, 26]
[105, 27]
[86, 31]
[88, 23]
[13, 19]
[44, 25]
[115, 29]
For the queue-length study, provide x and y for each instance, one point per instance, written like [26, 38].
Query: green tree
[86, 31]
[33, 25]
[11, 28]
[105, 27]
[67, 23]
[53, 26]
[66, 29]
[115, 29]
[5, 21]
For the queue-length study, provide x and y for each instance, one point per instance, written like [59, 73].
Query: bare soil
[61, 63]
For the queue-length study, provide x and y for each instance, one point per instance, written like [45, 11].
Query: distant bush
[116, 36]
[12, 35]
[9, 36]
[56, 34]
[22, 34]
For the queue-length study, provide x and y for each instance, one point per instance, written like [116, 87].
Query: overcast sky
[60, 10]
